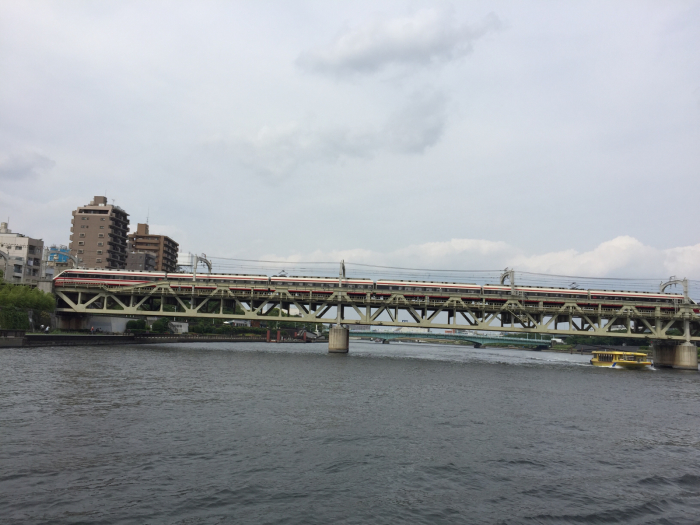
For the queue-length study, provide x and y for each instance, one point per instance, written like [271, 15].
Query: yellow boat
[616, 359]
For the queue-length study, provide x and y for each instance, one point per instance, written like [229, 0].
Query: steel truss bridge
[476, 340]
[508, 312]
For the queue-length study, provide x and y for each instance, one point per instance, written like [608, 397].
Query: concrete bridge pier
[672, 355]
[338, 340]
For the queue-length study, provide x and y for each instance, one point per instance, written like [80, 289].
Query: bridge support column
[338, 340]
[670, 355]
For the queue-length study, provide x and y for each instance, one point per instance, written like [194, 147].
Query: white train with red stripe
[353, 286]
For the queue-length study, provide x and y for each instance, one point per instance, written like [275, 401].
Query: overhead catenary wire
[377, 271]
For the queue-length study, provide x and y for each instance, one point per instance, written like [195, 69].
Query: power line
[375, 271]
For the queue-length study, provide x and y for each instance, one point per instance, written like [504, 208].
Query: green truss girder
[487, 313]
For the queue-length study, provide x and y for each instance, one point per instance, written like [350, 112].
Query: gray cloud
[428, 36]
[22, 166]
[278, 151]
[417, 126]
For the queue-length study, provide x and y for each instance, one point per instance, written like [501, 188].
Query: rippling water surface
[267, 433]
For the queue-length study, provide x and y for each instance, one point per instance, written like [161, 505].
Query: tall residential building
[99, 234]
[162, 246]
[24, 254]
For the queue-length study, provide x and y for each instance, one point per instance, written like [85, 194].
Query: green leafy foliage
[13, 318]
[160, 326]
[136, 324]
[207, 326]
[22, 296]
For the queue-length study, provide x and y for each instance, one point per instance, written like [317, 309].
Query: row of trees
[22, 296]
[17, 300]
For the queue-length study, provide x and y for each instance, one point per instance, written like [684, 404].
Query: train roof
[320, 279]
[430, 283]
[628, 292]
[220, 275]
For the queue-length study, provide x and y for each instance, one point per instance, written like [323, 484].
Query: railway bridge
[477, 340]
[672, 327]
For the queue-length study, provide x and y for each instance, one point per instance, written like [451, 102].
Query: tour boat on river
[617, 359]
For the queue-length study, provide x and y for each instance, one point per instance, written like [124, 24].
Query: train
[357, 286]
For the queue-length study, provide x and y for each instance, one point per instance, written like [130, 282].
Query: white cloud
[428, 36]
[620, 258]
[277, 151]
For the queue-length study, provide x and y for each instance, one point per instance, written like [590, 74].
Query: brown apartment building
[162, 246]
[99, 234]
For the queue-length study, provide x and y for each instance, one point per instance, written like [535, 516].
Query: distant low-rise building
[179, 328]
[57, 259]
[162, 246]
[185, 261]
[237, 322]
[24, 255]
[360, 327]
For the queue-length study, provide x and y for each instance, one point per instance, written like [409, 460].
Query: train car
[109, 277]
[618, 297]
[326, 284]
[552, 292]
[210, 281]
[423, 288]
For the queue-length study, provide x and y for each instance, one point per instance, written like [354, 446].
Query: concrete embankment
[37, 340]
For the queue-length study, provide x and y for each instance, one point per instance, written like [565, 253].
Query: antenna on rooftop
[148, 214]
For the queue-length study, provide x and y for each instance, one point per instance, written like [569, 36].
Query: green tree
[161, 325]
[136, 324]
[13, 318]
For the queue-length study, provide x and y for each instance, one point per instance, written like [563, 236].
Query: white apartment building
[21, 256]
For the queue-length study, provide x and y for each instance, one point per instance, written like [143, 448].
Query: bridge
[673, 328]
[477, 340]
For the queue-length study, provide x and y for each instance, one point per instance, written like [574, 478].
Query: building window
[82, 235]
[18, 247]
[102, 227]
[101, 235]
[84, 218]
[103, 219]
[81, 243]
[99, 252]
[98, 260]
[100, 244]
[81, 251]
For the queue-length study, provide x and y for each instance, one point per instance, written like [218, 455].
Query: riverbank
[42, 340]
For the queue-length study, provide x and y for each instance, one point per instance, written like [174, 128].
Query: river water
[399, 433]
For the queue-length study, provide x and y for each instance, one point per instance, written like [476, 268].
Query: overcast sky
[551, 136]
